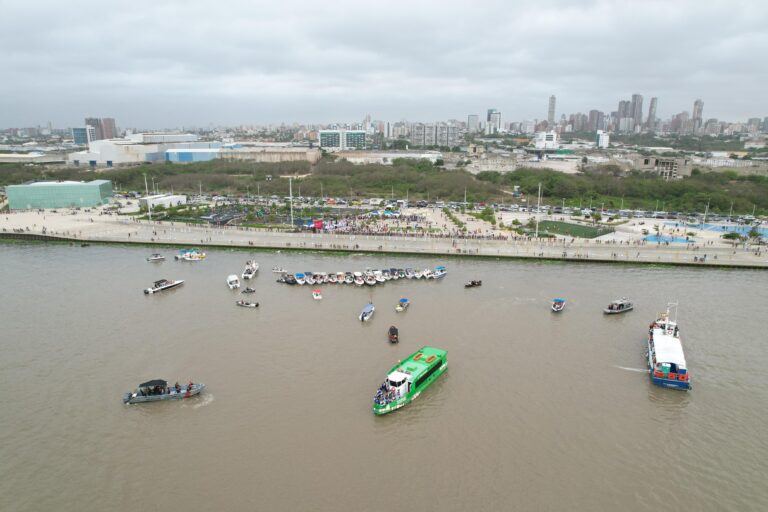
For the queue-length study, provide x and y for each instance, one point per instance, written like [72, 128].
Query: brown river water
[537, 411]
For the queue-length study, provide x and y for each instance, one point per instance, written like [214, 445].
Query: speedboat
[288, 279]
[333, 278]
[246, 304]
[248, 290]
[621, 305]
[402, 305]
[190, 255]
[401, 273]
[427, 274]
[162, 285]
[251, 268]
[278, 270]
[300, 279]
[157, 389]
[472, 284]
[558, 305]
[666, 360]
[321, 277]
[359, 279]
[309, 278]
[340, 277]
[233, 282]
[439, 273]
[379, 276]
[386, 274]
[393, 272]
[409, 273]
[418, 274]
[394, 334]
[156, 257]
[349, 278]
[367, 312]
[370, 280]
[316, 294]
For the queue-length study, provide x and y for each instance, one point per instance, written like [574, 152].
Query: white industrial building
[164, 200]
[603, 139]
[387, 157]
[546, 140]
[137, 148]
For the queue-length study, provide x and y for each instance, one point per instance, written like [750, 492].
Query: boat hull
[617, 312]
[380, 410]
[129, 398]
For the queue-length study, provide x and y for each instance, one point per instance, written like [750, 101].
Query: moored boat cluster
[368, 277]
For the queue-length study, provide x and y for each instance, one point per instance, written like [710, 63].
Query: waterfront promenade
[94, 226]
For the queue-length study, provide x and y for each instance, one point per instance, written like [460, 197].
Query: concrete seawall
[179, 235]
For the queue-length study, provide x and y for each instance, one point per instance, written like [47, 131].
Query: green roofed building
[58, 194]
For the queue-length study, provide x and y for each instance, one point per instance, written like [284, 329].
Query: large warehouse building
[58, 194]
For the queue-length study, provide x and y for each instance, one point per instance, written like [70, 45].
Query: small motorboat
[386, 274]
[300, 279]
[401, 273]
[287, 279]
[162, 285]
[247, 304]
[367, 312]
[394, 274]
[370, 280]
[278, 270]
[316, 294]
[359, 279]
[409, 273]
[558, 305]
[309, 278]
[251, 267]
[340, 276]
[349, 278]
[248, 290]
[378, 275]
[472, 284]
[428, 274]
[402, 305]
[439, 273]
[156, 257]
[233, 282]
[621, 305]
[394, 335]
[418, 274]
[157, 389]
[333, 279]
[190, 255]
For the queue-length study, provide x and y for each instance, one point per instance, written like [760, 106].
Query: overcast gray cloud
[174, 63]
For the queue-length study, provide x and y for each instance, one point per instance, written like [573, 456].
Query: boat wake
[641, 370]
[204, 400]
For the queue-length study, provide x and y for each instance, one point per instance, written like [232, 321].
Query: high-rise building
[651, 123]
[624, 120]
[80, 136]
[551, 110]
[602, 140]
[103, 128]
[109, 130]
[342, 139]
[595, 121]
[493, 121]
[473, 123]
[96, 123]
[697, 117]
[637, 109]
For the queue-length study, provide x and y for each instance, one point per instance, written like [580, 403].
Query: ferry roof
[416, 368]
[668, 349]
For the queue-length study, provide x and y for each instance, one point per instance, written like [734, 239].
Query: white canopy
[668, 349]
[397, 376]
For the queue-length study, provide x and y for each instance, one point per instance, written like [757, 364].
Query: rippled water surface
[537, 411]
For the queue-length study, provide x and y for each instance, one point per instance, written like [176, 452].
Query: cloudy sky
[168, 63]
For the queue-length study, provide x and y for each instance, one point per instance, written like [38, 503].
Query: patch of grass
[568, 229]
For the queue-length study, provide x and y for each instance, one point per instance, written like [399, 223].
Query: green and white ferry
[407, 379]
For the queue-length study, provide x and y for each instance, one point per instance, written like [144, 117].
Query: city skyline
[185, 64]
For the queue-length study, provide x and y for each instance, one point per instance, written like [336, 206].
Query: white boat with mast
[251, 267]
[666, 360]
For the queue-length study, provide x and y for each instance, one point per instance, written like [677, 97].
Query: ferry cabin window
[432, 370]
